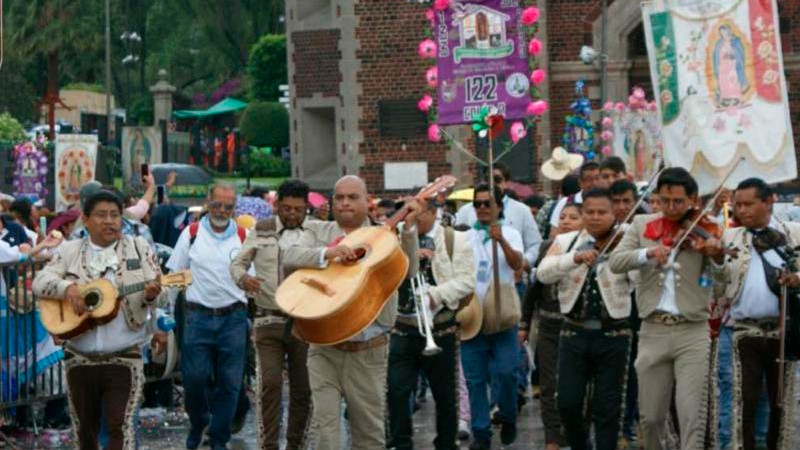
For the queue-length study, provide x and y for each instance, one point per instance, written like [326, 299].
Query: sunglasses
[482, 204]
[220, 205]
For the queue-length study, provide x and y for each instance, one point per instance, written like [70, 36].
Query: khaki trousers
[360, 379]
[271, 348]
[673, 355]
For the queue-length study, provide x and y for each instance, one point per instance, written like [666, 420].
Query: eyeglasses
[482, 204]
[220, 205]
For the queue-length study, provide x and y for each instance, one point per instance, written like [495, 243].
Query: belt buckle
[669, 319]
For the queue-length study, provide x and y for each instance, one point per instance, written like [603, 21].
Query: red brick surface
[316, 57]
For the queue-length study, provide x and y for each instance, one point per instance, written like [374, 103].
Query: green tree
[265, 124]
[10, 129]
[266, 68]
[17, 96]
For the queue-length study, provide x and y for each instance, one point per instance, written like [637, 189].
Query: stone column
[162, 98]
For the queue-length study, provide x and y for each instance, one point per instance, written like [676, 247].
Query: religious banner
[140, 145]
[76, 155]
[482, 60]
[30, 171]
[718, 76]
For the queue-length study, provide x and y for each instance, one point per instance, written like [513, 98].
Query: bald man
[354, 370]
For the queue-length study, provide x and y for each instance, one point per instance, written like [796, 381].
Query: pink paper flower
[638, 93]
[427, 49]
[538, 76]
[434, 135]
[620, 107]
[535, 46]
[606, 136]
[607, 122]
[537, 108]
[652, 106]
[609, 106]
[530, 16]
[517, 131]
[440, 5]
[429, 14]
[606, 150]
[425, 103]
[432, 76]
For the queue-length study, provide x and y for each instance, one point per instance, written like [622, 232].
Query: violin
[694, 231]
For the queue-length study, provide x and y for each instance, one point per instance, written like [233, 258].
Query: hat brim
[557, 173]
[470, 319]
[169, 358]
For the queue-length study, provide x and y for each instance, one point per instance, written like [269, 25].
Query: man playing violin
[672, 298]
[104, 367]
[595, 335]
[752, 282]
[354, 370]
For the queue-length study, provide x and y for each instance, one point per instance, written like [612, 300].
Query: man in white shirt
[517, 216]
[752, 281]
[215, 337]
[589, 178]
[672, 299]
[103, 366]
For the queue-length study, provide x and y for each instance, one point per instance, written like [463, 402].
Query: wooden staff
[495, 217]
[782, 346]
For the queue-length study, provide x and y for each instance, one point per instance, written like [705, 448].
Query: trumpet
[424, 314]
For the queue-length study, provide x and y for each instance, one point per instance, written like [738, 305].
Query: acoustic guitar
[333, 304]
[102, 301]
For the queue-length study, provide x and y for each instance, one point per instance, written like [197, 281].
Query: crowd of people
[628, 324]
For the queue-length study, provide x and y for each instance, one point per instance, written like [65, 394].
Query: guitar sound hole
[361, 252]
[92, 300]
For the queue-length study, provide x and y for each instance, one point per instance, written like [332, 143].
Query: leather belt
[191, 306]
[767, 324]
[264, 312]
[358, 346]
[663, 318]
[550, 315]
[129, 353]
[597, 324]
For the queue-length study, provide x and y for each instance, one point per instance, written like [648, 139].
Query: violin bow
[651, 185]
[706, 209]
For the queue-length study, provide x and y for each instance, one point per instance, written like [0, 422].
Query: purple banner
[482, 60]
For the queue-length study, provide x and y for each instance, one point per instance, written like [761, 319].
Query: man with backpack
[215, 337]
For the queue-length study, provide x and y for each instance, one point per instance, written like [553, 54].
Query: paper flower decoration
[518, 131]
[537, 108]
[606, 150]
[608, 107]
[425, 103]
[535, 46]
[432, 76]
[441, 4]
[538, 76]
[606, 136]
[488, 122]
[434, 134]
[620, 107]
[530, 16]
[427, 49]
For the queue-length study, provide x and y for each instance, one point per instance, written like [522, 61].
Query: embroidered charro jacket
[137, 263]
[730, 275]
[559, 266]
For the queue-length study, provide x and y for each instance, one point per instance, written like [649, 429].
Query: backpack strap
[194, 226]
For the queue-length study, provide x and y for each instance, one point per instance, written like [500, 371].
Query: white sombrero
[560, 164]
[167, 358]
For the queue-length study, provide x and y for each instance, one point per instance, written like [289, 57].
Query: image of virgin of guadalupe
[729, 69]
[140, 154]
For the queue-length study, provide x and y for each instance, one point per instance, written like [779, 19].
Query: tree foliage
[17, 95]
[265, 124]
[267, 67]
[11, 129]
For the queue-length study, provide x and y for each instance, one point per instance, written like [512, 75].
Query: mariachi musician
[672, 299]
[354, 370]
[104, 367]
[446, 263]
[751, 276]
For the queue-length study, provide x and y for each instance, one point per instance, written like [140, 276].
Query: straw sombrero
[560, 164]
[470, 319]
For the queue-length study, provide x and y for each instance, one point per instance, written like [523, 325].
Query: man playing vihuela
[104, 366]
[751, 275]
[595, 335]
[354, 370]
[446, 263]
[273, 341]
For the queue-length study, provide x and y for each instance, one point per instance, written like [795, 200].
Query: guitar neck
[129, 289]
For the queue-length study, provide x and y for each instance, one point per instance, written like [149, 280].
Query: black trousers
[599, 357]
[405, 363]
[547, 361]
[758, 359]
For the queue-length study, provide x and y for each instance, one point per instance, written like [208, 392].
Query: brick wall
[790, 41]
[316, 58]
[389, 33]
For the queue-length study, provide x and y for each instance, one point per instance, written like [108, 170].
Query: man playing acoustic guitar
[104, 365]
[354, 369]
